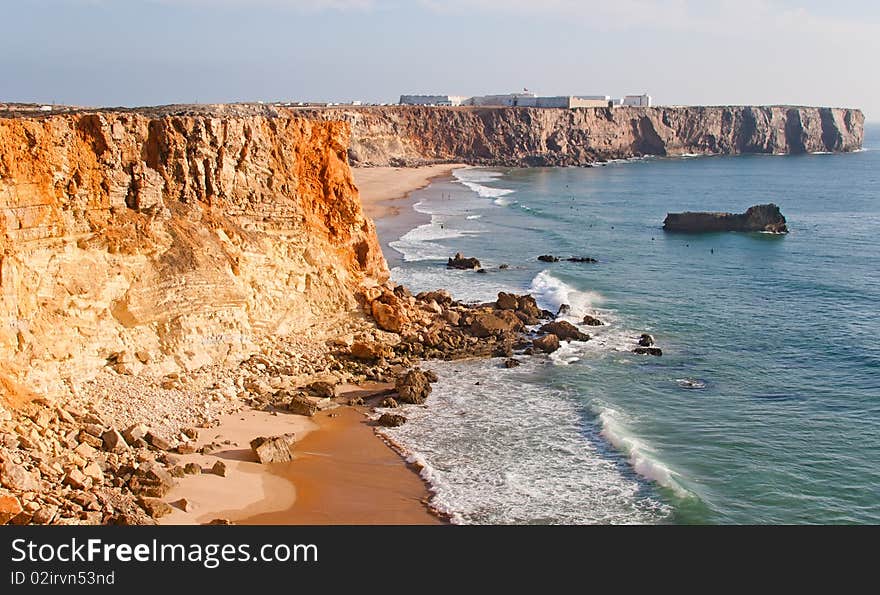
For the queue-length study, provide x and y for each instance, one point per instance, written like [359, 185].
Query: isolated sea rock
[646, 340]
[461, 262]
[592, 321]
[587, 259]
[275, 449]
[548, 258]
[766, 217]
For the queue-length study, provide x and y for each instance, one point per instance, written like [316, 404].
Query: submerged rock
[757, 218]
[648, 351]
[592, 321]
[548, 258]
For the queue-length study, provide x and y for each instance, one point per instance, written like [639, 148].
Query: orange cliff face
[170, 241]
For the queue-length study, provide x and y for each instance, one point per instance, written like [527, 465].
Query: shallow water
[765, 406]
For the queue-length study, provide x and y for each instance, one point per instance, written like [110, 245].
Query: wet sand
[382, 188]
[345, 474]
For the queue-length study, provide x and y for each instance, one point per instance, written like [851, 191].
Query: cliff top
[279, 109]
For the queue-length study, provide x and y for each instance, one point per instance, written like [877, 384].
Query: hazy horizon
[151, 52]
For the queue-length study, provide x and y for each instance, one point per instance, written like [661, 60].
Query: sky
[150, 52]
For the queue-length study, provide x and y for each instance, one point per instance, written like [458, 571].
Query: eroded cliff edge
[172, 241]
[408, 136]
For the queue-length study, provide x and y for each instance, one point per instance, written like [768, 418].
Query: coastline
[343, 471]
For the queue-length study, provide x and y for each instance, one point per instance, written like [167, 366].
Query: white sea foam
[642, 456]
[472, 217]
[475, 179]
[551, 293]
[511, 451]
[421, 243]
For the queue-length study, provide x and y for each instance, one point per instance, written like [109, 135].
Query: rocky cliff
[132, 238]
[407, 135]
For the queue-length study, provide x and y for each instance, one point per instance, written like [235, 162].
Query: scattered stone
[547, 343]
[592, 321]
[192, 469]
[548, 258]
[219, 468]
[367, 351]
[191, 433]
[356, 401]
[431, 375]
[565, 331]
[646, 340]
[94, 472]
[413, 387]
[220, 522]
[157, 441]
[186, 448]
[277, 449]
[77, 479]
[389, 403]
[648, 351]
[177, 471]
[460, 262]
[184, 505]
[155, 507]
[511, 362]
[391, 420]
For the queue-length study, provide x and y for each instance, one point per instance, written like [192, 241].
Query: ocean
[765, 405]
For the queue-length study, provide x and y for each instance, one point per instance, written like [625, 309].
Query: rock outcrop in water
[766, 218]
[410, 135]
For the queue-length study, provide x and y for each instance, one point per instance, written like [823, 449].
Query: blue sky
[145, 52]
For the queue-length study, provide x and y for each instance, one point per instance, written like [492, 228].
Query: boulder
[511, 362]
[507, 301]
[547, 343]
[413, 387]
[157, 441]
[302, 405]
[486, 324]
[277, 449]
[646, 340]
[155, 508]
[389, 317]
[565, 331]
[765, 217]
[10, 508]
[16, 477]
[460, 262]
[391, 420]
[592, 321]
[368, 351]
[192, 469]
[134, 433]
[389, 403]
[113, 441]
[219, 468]
[648, 351]
[548, 258]
[528, 306]
[564, 310]
[321, 389]
[151, 480]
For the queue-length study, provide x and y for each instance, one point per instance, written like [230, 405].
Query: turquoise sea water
[781, 333]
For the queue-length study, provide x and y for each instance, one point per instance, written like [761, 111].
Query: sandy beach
[382, 188]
